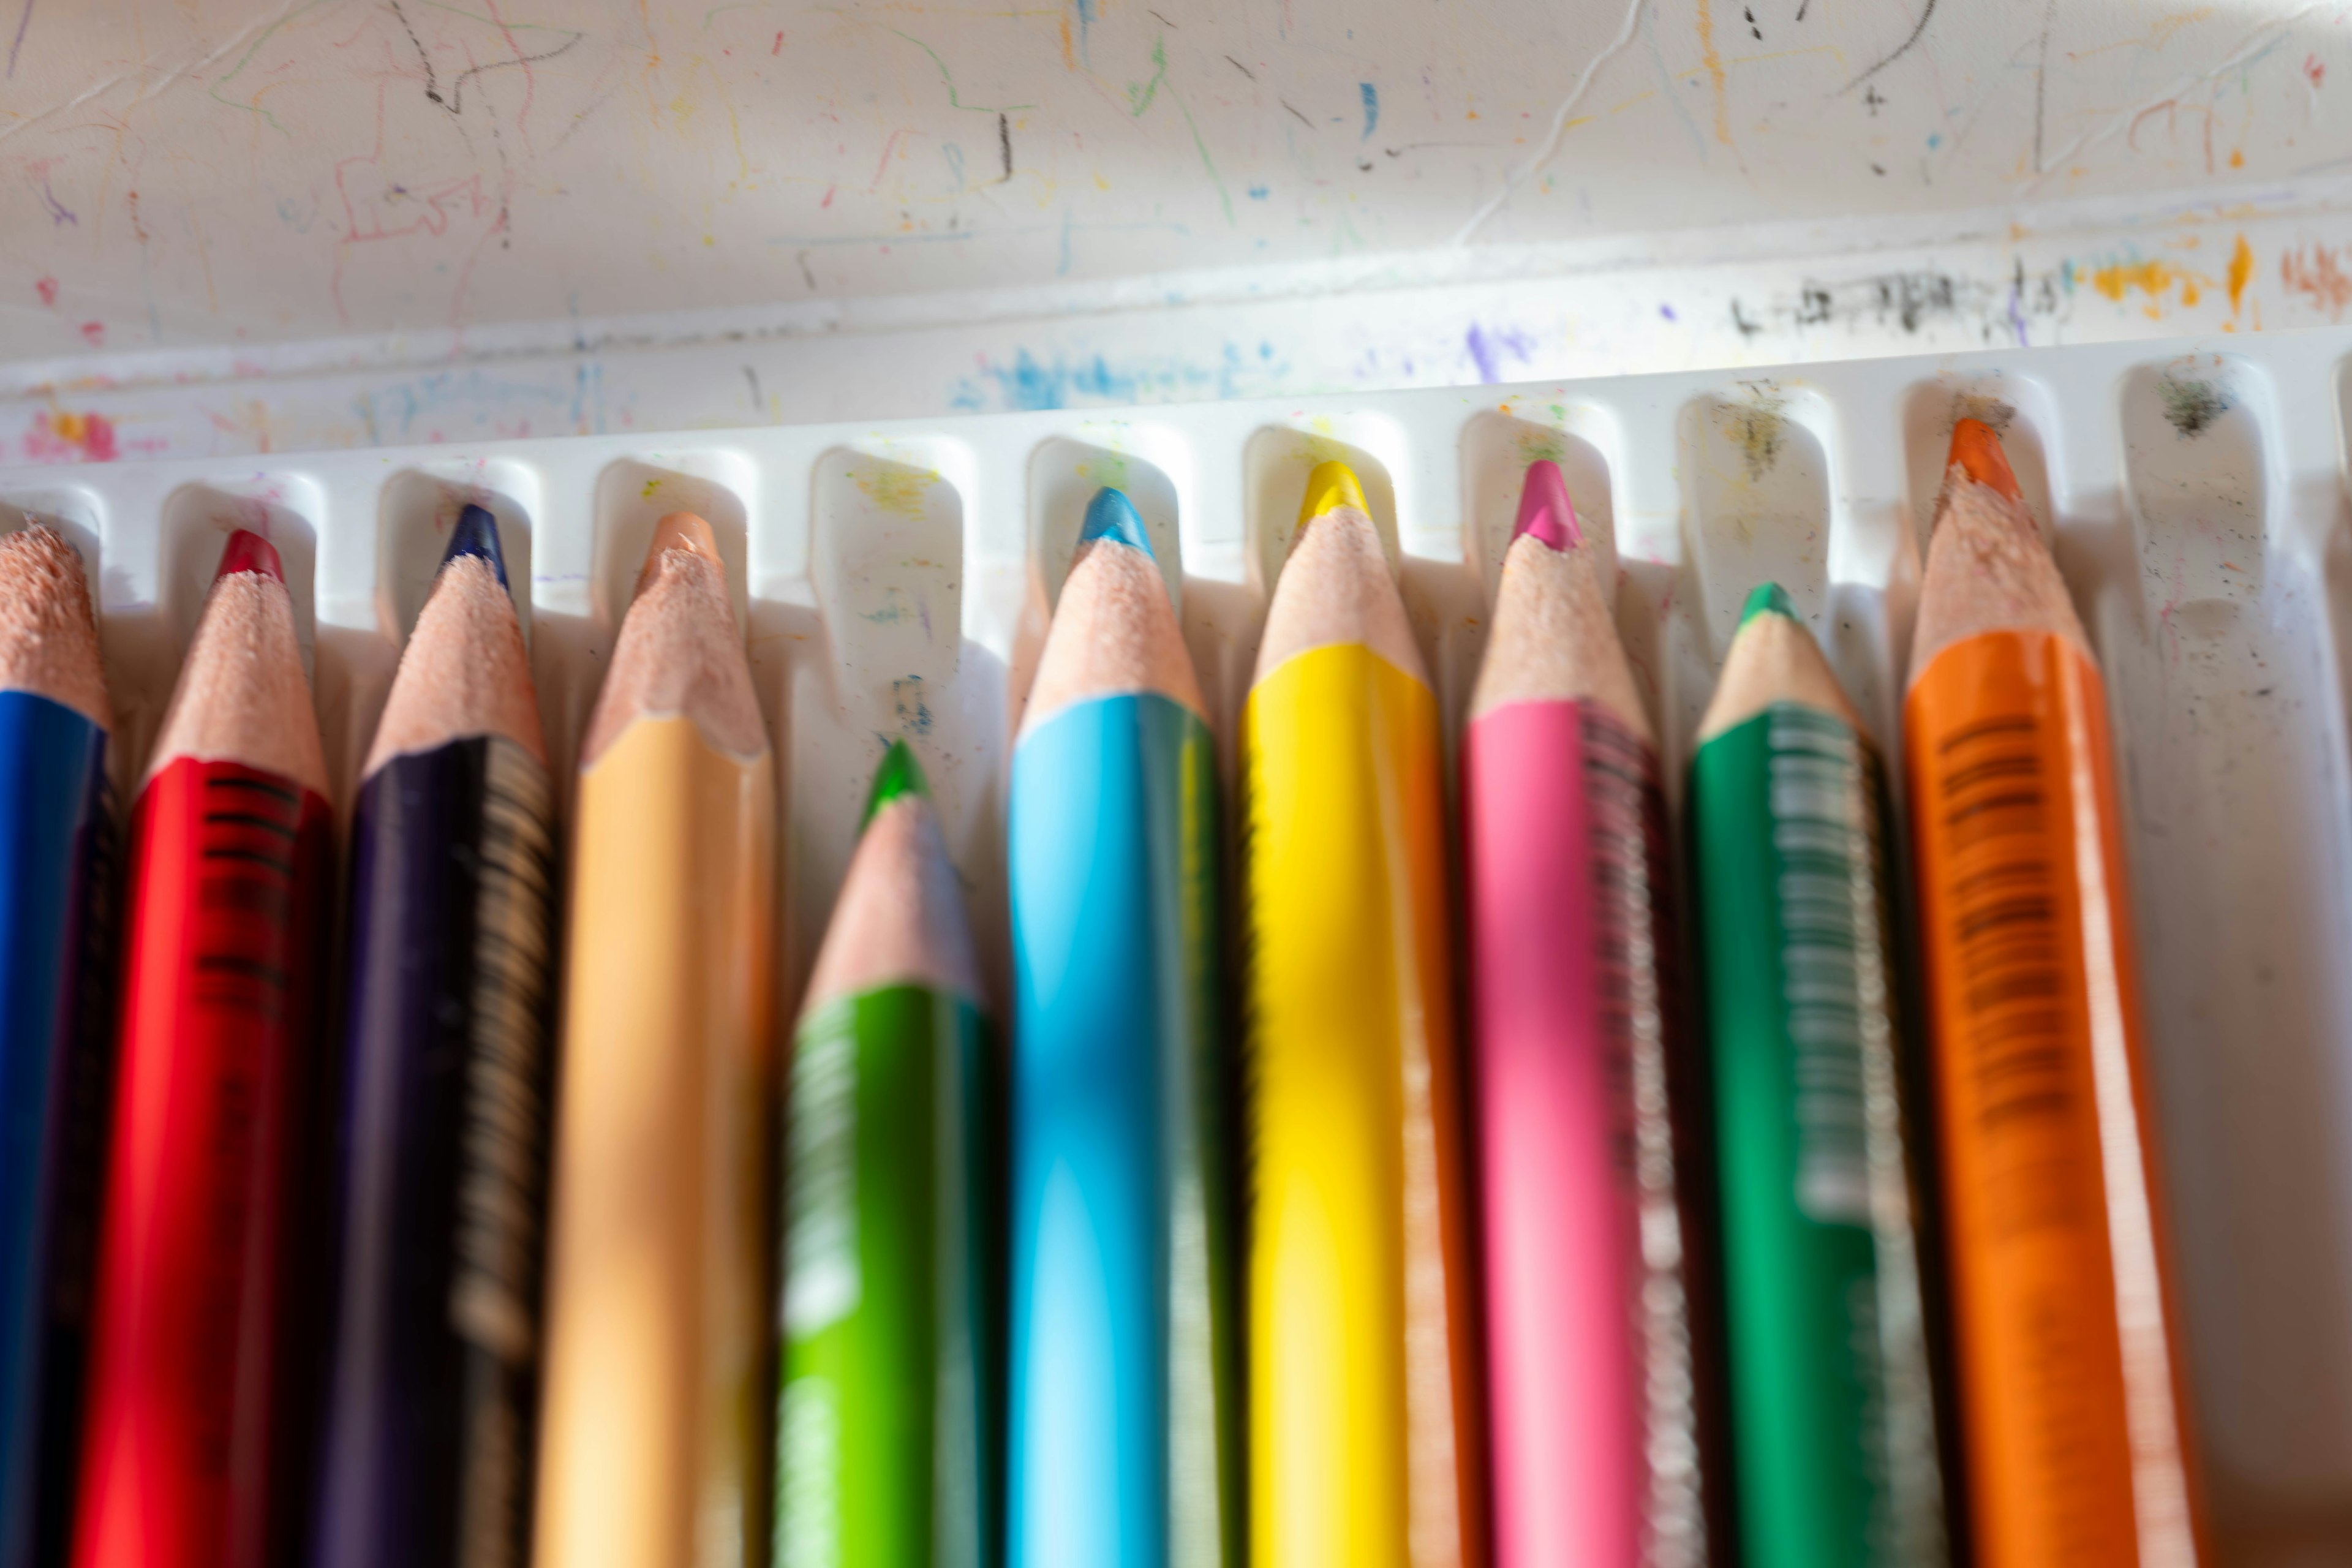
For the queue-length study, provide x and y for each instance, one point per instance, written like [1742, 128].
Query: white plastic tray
[895, 579]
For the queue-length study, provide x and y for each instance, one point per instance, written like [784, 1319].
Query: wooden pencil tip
[1330, 487]
[1978, 450]
[248, 551]
[682, 530]
[1545, 509]
[899, 775]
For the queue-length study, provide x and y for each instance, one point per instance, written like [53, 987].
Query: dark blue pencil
[432, 1387]
[56, 834]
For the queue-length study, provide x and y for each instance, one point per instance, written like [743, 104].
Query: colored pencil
[2071, 1398]
[431, 1386]
[651, 1452]
[189, 1452]
[1361, 1423]
[1834, 1422]
[56, 841]
[1571, 976]
[1124, 1449]
[885, 1428]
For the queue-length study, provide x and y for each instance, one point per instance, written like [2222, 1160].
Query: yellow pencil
[1361, 1429]
[656, 1276]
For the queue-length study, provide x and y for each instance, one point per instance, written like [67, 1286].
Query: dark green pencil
[1832, 1417]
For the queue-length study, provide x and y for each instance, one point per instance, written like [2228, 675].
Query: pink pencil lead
[1545, 509]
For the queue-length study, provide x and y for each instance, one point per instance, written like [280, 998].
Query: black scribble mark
[2191, 406]
[458, 89]
[1004, 146]
[1877, 169]
[807, 277]
[759, 403]
[431, 81]
[1803, 8]
[1161, 20]
[1874, 100]
[1241, 68]
[1295, 114]
[1926, 15]
[1759, 429]
[1749, 13]
[1997, 309]
[1364, 166]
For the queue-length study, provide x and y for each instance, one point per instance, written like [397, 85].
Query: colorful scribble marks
[62, 438]
[2317, 272]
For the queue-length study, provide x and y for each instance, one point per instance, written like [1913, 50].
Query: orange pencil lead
[1978, 451]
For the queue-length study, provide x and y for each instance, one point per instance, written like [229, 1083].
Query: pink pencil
[1595, 1443]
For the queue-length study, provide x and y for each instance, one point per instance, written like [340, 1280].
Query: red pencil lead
[248, 551]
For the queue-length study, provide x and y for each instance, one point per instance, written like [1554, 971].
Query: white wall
[185, 171]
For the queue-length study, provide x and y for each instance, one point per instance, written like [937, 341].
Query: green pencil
[883, 1453]
[1833, 1428]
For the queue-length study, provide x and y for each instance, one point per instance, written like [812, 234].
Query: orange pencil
[2070, 1397]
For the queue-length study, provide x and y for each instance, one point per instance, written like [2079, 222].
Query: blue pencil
[56, 843]
[431, 1387]
[1123, 1386]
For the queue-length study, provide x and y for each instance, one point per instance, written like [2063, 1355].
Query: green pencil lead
[1764, 597]
[899, 775]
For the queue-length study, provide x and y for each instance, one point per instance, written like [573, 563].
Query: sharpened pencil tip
[477, 534]
[1545, 509]
[248, 551]
[1330, 487]
[1767, 599]
[683, 530]
[1978, 450]
[899, 774]
[1110, 515]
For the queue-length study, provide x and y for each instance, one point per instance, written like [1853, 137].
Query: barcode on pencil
[494, 1295]
[1832, 970]
[2003, 824]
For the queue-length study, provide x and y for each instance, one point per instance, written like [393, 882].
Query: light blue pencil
[1124, 1397]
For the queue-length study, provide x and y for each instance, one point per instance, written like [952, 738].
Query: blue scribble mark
[954, 155]
[1257, 192]
[1371, 109]
[1935, 140]
[1668, 312]
[58, 215]
[1487, 352]
[1086, 21]
[913, 713]
[1029, 384]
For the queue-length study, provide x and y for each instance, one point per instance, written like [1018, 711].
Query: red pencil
[230, 876]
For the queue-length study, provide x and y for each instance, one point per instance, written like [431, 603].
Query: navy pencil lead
[477, 534]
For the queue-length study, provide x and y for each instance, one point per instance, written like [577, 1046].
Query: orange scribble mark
[2237, 157]
[1713, 61]
[57, 436]
[2241, 269]
[2317, 271]
[1069, 58]
[2156, 279]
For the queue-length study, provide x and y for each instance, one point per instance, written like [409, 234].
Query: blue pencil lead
[1110, 515]
[477, 534]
